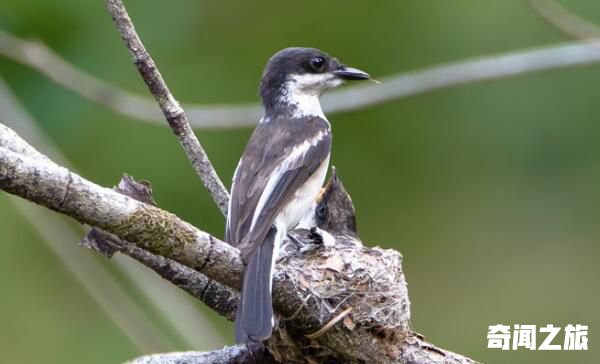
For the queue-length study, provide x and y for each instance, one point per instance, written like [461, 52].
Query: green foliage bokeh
[490, 190]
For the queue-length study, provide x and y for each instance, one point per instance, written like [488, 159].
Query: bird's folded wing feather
[278, 159]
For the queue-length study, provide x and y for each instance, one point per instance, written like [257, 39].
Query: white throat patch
[303, 92]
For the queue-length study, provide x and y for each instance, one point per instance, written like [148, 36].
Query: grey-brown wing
[272, 168]
[257, 163]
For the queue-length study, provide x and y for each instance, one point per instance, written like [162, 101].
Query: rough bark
[237, 354]
[339, 304]
[151, 228]
[218, 297]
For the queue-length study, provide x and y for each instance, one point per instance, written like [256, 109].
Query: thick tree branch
[220, 298]
[394, 87]
[237, 354]
[310, 290]
[173, 112]
[37, 179]
[123, 311]
[29, 174]
[415, 351]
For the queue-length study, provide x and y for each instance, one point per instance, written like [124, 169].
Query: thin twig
[38, 56]
[221, 299]
[41, 58]
[567, 22]
[173, 112]
[395, 87]
[329, 324]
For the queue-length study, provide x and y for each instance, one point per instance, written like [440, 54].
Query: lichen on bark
[156, 230]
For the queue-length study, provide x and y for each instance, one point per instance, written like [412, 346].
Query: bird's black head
[294, 74]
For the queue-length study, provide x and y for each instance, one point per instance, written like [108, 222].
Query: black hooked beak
[349, 73]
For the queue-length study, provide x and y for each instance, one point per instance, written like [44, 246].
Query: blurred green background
[491, 191]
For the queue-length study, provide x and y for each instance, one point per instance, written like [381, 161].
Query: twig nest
[369, 280]
[358, 294]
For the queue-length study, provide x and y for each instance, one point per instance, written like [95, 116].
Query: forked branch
[303, 289]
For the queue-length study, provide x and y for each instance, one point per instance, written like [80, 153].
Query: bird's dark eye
[317, 64]
[321, 212]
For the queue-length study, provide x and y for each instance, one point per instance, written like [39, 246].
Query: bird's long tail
[254, 316]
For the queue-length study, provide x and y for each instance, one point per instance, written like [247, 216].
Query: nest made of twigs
[361, 291]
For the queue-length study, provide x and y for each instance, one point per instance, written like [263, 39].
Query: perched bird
[280, 173]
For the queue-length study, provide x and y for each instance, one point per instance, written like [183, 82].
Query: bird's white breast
[306, 189]
[302, 200]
